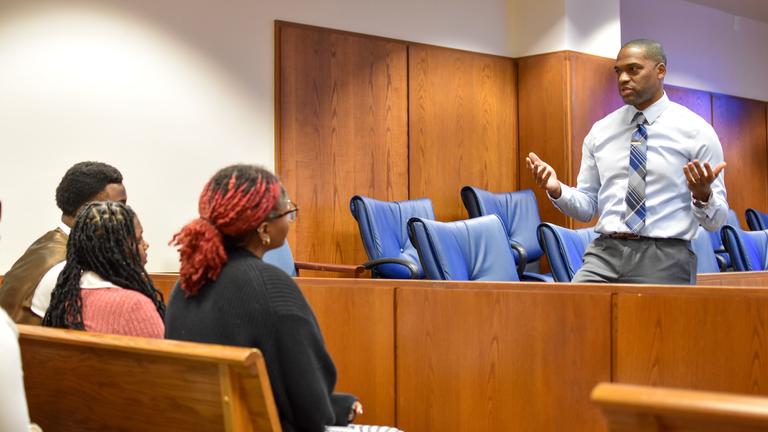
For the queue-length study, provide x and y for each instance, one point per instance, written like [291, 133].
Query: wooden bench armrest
[622, 402]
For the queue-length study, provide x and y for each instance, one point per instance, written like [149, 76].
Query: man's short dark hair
[652, 49]
[83, 182]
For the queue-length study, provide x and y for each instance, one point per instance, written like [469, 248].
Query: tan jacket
[21, 280]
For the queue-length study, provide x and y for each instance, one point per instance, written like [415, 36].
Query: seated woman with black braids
[227, 295]
[103, 287]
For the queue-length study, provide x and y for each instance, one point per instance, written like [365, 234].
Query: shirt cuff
[565, 195]
[710, 207]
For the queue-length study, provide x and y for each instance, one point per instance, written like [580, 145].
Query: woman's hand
[357, 409]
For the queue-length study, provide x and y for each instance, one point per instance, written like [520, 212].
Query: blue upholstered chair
[519, 214]
[756, 220]
[748, 249]
[717, 238]
[706, 259]
[282, 258]
[473, 249]
[564, 248]
[384, 231]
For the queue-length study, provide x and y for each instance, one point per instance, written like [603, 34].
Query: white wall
[168, 91]
[593, 27]
[537, 26]
[588, 26]
[707, 49]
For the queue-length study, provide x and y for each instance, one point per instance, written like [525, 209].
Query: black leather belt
[624, 236]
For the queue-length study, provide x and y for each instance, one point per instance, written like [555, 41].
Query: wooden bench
[78, 381]
[633, 408]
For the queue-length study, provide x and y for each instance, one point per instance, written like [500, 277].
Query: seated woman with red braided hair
[227, 295]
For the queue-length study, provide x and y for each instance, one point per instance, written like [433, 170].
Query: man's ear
[661, 70]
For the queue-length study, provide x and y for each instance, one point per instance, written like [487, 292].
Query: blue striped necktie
[634, 214]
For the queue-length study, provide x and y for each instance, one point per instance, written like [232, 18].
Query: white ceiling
[754, 9]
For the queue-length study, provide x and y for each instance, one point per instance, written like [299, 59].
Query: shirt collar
[65, 228]
[652, 112]
[91, 280]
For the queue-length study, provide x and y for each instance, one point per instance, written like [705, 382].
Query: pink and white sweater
[108, 308]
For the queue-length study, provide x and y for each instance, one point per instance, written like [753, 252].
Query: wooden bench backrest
[78, 381]
[633, 408]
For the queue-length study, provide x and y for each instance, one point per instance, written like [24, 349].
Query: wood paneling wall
[594, 94]
[560, 96]
[543, 103]
[342, 129]
[741, 125]
[462, 123]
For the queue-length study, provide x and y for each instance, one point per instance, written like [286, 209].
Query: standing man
[26, 290]
[647, 172]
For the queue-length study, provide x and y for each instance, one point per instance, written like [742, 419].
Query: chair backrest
[629, 408]
[518, 211]
[756, 220]
[748, 250]
[383, 229]
[564, 248]
[282, 258]
[78, 381]
[473, 249]
[706, 259]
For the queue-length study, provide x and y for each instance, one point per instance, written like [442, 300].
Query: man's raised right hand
[544, 175]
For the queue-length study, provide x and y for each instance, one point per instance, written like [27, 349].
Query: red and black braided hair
[234, 202]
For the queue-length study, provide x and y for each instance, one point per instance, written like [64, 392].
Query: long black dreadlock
[103, 240]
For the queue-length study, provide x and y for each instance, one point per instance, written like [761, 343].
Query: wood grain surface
[462, 124]
[631, 408]
[358, 324]
[594, 94]
[342, 130]
[78, 381]
[544, 124]
[707, 342]
[493, 360]
[734, 279]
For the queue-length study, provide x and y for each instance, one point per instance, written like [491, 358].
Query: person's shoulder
[610, 120]
[689, 120]
[283, 293]
[121, 296]
[682, 111]
[245, 264]
[44, 253]
[52, 239]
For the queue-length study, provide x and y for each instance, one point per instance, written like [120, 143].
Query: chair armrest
[368, 265]
[339, 268]
[523, 257]
[536, 277]
[721, 263]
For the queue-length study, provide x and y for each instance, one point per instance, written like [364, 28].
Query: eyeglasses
[292, 212]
